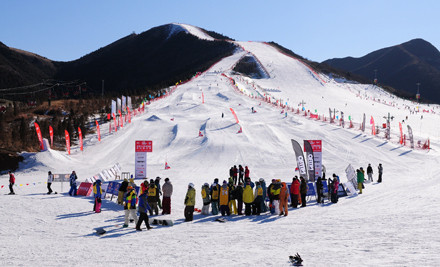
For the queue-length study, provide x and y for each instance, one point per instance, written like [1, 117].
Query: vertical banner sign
[330, 113]
[129, 102]
[316, 146]
[40, 137]
[113, 107]
[124, 103]
[388, 131]
[80, 139]
[141, 149]
[51, 135]
[411, 137]
[114, 120]
[401, 133]
[118, 104]
[301, 164]
[310, 160]
[235, 115]
[66, 134]
[98, 131]
[363, 124]
[373, 127]
[351, 177]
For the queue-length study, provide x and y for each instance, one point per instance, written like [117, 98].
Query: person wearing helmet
[167, 192]
[224, 199]
[153, 196]
[190, 202]
[122, 191]
[49, 182]
[215, 193]
[73, 178]
[206, 199]
[130, 206]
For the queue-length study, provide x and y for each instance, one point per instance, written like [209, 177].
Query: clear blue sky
[318, 30]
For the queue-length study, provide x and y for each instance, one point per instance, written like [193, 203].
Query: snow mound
[196, 31]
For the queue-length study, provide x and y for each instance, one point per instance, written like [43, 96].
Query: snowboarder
[240, 173]
[97, 191]
[143, 209]
[248, 197]
[275, 192]
[294, 191]
[319, 188]
[246, 172]
[73, 179]
[167, 192]
[224, 199]
[231, 174]
[238, 192]
[153, 197]
[235, 173]
[232, 203]
[258, 198]
[360, 179]
[49, 182]
[380, 168]
[370, 172]
[284, 199]
[11, 183]
[215, 193]
[157, 183]
[263, 202]
[303, 190]
[122, 190]
[270, 195]
[130, 206]
[206, 198]
[190, 202]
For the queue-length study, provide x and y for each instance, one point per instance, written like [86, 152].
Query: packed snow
[391, 223]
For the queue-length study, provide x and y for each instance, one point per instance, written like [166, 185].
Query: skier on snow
[11, 183]
[130, 206]
[73, 179]
[190, 202]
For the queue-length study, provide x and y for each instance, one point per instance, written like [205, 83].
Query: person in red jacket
[246, 172]
[11, 183]
[294, 192]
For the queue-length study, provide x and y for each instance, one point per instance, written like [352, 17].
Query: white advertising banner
[141, 149]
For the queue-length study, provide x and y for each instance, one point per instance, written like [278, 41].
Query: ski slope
[392, 223]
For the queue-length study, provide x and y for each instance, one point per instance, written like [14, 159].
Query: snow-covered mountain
[392, 223]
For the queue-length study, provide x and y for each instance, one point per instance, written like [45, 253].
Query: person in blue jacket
[143, 207]
[73, 188]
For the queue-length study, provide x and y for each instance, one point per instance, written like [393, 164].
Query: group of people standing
[360, 175]
[148, 201]
[239, 174]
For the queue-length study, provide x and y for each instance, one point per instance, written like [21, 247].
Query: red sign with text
[144, 146]
[85, 189]
[316, 145]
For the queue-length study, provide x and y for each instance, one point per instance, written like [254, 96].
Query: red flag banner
[129, 115]
[66, 134]
[235, 115]
[98, 131]
[373, 127]
[401, 133]
[120, 119]
[114, 120]
[203, 98]
[80, 139]
[51, 135]
[40, 137]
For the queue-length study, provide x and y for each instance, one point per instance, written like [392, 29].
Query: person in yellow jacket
[284, 199]
[130, 206]
[232, 197]
[190, 202]
[224, 199]
[248, 197]
[256, 210]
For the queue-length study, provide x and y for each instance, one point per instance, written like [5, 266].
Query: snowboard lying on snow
[101, 230]
[161, 222]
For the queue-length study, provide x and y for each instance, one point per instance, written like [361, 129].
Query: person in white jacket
[49, 182]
